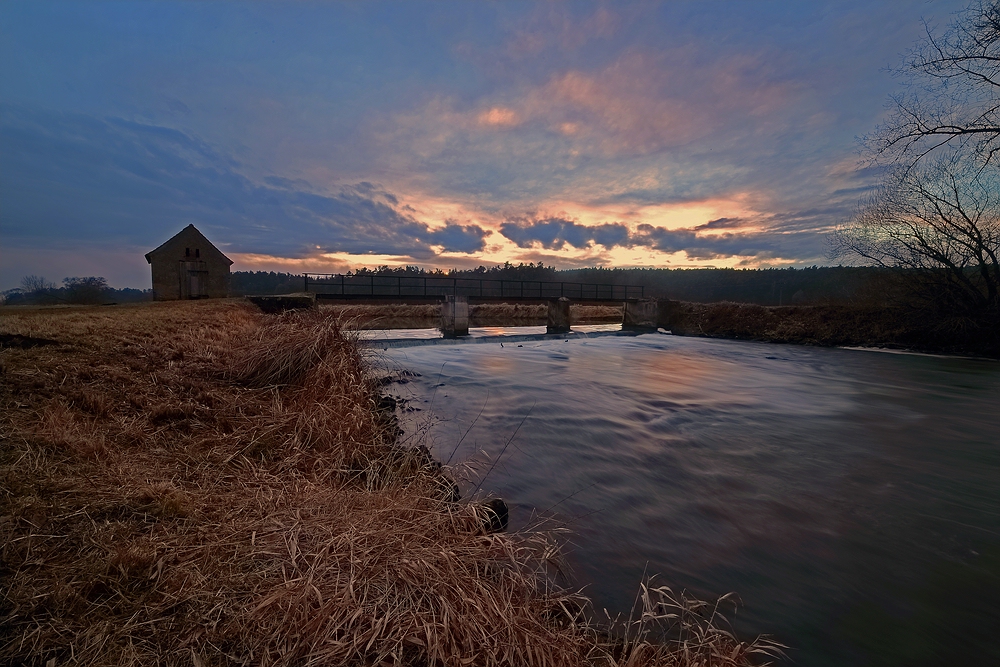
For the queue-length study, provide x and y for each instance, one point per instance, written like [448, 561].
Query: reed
[677, 629]
[198, 483]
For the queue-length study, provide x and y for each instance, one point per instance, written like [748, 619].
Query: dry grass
[834, 324]
[815, 325]
[675, 629]
[386, 316]
[402, 316]
[197, 483]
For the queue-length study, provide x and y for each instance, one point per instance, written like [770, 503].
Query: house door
[197, 284]
[194, 280]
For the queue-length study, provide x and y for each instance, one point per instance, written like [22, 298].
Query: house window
[197, 252]
[187, 252]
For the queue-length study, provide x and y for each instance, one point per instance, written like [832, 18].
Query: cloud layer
[137, 183]
[316, 135]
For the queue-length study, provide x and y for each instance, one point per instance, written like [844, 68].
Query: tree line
[767, 287]
[93, 290]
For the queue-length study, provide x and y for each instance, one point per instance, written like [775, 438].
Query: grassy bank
[403, 316]
[198, 483]
[833, 325]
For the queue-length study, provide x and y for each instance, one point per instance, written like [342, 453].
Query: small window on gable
[187, 252]
[197, 252]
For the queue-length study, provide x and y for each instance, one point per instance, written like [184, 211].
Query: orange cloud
[647, 102]
[499, 117]
[640, 104]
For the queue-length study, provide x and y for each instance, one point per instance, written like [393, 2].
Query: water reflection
[841, 493]
[476, 332]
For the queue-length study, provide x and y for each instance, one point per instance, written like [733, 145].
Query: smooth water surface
[851, 498]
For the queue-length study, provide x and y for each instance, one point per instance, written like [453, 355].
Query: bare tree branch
[952, 93]
[940, 221]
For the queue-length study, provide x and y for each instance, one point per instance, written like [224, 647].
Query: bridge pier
[455, 316]
[558, 320]
[641, 315]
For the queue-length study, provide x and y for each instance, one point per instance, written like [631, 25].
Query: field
[198, 483]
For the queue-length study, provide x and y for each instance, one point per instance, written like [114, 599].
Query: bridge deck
[381, 288]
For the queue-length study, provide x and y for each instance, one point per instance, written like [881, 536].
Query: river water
[850, 498]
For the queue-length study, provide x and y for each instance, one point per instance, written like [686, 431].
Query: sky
[322, 136]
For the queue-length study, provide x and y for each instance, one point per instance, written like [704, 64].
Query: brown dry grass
[197, 483]
[834, 324]
[403, 316]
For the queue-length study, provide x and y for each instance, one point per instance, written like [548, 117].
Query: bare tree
[940, 222]
[34, 284]
[951, 96]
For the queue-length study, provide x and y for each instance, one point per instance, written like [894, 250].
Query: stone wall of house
[188, 266]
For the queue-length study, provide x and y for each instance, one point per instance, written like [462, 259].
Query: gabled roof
[187, 231]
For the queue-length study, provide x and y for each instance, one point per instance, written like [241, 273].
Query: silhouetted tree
[940, 223]
[91, 289]
[951, 94]
[32, 284]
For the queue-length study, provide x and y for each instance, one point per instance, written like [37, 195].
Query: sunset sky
[309, 136]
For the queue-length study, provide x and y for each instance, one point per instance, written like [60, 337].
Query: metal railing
[335, 284]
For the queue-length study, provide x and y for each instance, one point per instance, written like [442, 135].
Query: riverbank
[200, 483]
[832, 326]
[428, 316]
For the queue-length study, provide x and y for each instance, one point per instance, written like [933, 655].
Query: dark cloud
[723, 223]
[554, 233]
[703, 247]
[459, 238]
[70, 176]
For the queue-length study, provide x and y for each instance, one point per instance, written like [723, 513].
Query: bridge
[455, 295]
[410, 288]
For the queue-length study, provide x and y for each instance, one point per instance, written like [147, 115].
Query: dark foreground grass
[200, 484]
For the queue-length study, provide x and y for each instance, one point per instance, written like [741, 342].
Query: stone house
[188, 266]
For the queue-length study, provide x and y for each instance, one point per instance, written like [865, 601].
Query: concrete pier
[558, 320]
[641, 314]
[671, 314]
[455, 316]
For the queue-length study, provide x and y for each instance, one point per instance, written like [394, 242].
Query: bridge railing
[335, 284]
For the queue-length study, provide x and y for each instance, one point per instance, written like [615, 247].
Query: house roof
[187, 231]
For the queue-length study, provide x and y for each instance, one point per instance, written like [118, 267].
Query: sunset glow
[327, 137]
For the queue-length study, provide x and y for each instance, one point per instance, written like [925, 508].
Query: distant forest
[767, 287]
[35, 290]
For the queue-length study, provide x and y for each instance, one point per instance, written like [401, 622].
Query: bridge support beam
[455, 316]
[641, 315]
[558, 320]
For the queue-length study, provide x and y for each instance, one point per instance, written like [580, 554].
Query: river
[850, 498]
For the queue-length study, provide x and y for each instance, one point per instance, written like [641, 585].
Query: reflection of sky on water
[832, 489]
[475, 332]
